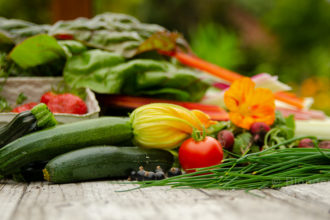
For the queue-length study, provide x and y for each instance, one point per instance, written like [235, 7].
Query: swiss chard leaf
[108, 73]
[72, 47]
[36, 50]
[164, 41]
[118, 33]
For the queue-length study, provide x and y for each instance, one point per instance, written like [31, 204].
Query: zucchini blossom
[166, 126]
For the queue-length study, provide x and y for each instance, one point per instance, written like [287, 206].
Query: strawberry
[25, 107]
[66, 103]
[47, 96]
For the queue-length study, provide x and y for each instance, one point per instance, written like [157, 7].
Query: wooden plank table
[100, 200]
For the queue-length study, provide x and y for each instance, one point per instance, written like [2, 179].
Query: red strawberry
[67, 103]
[47, 96]
[25, 107]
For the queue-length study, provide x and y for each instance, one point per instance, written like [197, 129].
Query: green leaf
[118, 33]
[254, 149]
[279, 119]
[163, 40]
[4, 105]
[36, 50]
[91, 69]
[282, 129]
[6, 43]
[214, 129]
[108, 73]
[290, 122]
[242, 143]
[20, 98]
[72, 47]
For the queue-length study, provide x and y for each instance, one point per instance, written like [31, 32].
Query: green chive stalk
[265, 169]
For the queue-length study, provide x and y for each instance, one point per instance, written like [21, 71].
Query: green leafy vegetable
[72, 47]
[6, 43]
[290, 124]
[214, 129]
[113, 32]
[18, 30]
[9, 68]
[106, 72]
[282, 130]
[164, 41]
[36, 50]
[242, 143]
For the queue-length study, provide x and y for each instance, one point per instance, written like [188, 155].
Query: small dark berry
[133, 176]
[149, 175]
[160, 175]
[158, 169]
[174, 172]
[140, 174]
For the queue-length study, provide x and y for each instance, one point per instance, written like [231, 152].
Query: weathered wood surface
[100, 200]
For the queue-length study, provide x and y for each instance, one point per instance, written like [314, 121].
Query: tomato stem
[198, 135]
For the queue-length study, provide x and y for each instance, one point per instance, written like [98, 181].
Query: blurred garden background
[288, 38]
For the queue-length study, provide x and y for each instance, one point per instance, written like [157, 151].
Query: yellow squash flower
[165, 126]
[247, 104]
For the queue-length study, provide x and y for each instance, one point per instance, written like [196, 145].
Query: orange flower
[247, 104]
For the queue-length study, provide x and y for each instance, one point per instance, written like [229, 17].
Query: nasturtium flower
[166, 126]
[247, 104]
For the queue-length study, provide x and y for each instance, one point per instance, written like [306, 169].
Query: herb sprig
[264, 169]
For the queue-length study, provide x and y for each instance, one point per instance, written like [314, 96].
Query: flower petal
[248, 105]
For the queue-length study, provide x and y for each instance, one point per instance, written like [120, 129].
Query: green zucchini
[46, 144]
[39, 117]
[99, 162]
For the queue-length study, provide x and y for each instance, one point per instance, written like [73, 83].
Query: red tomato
[193, 154]
[25, 107]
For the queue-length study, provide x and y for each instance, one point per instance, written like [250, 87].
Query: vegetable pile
[249, 146]
[117, 147]
[99, 53]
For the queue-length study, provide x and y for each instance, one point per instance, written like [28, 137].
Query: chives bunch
[271, 168]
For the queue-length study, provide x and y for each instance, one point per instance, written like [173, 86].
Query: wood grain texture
[10, 196]
[101, 200]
